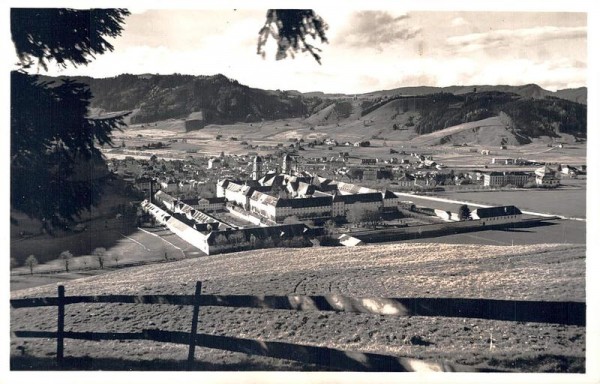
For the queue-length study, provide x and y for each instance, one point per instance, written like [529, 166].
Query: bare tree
[66, 256]
[31, 262]
[100, 254]
[116, 256]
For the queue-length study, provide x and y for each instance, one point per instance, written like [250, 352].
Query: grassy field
[565, 202]
[143, 246]
[534, 272]
[378, 132]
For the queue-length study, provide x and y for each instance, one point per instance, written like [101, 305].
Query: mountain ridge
[203, 100]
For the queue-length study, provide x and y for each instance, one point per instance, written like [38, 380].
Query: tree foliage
[51, 138]
[53, 142]
[291, 28]
[464, 213]
[63, 35]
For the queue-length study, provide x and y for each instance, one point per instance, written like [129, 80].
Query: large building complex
[276, 196]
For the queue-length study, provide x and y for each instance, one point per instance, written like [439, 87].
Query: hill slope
[392, 270]
[493, 131]
[534, 91]
[216, 99]
[202, 100]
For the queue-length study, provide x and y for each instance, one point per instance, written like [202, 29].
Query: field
[378, 132]
[142, 246]
[533, 272]
[567, 201]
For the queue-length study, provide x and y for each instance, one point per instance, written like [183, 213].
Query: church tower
[286, 166]
[257, 168]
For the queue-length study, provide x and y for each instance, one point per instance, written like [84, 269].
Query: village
[228, 203]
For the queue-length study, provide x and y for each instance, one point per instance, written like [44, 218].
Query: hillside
[578, 95]
[493, 131]
[197, 101]
[530, 118]
[391, 270]
[217, 99]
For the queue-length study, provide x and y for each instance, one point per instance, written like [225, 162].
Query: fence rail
[557, 312]
[566, 313]
[330, 357]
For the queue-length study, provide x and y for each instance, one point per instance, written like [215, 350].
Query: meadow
[532, 272]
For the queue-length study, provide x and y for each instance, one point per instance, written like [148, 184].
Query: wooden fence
[566, 313]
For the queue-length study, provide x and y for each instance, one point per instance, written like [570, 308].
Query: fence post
[60, 325]
[194, 330]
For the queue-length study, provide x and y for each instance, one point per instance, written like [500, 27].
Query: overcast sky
[367, 50]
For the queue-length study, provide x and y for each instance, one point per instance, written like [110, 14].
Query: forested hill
[221, 100]
[534, 111]
[528, 91]
[549, 116]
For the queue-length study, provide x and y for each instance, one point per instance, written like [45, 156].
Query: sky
[367, 50]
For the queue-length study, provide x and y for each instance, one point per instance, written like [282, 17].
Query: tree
[254, 241]
[221, 240]
[354, 215]
[13, 263]
[52, 139]
[371, 217]
[268, 242]
[116, 257]
[31, 262]
[100, 253]
[66, 257]
[290, 28]
[63, 35]
[237, 238]
[464, 213]
[359, 215]
[329, 227]
[291, 220]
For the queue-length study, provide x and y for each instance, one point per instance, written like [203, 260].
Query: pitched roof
[164, 197]
[285, 231]
[213, 200]
[263, 198]
[497, 211]
[371, 197]
[323, 201]
[388, 194]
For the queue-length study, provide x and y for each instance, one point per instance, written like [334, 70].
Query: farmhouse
[546, 177]
[497, 215]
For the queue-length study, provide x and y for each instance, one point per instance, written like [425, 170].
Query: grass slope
[537, 272]
[492, 131]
